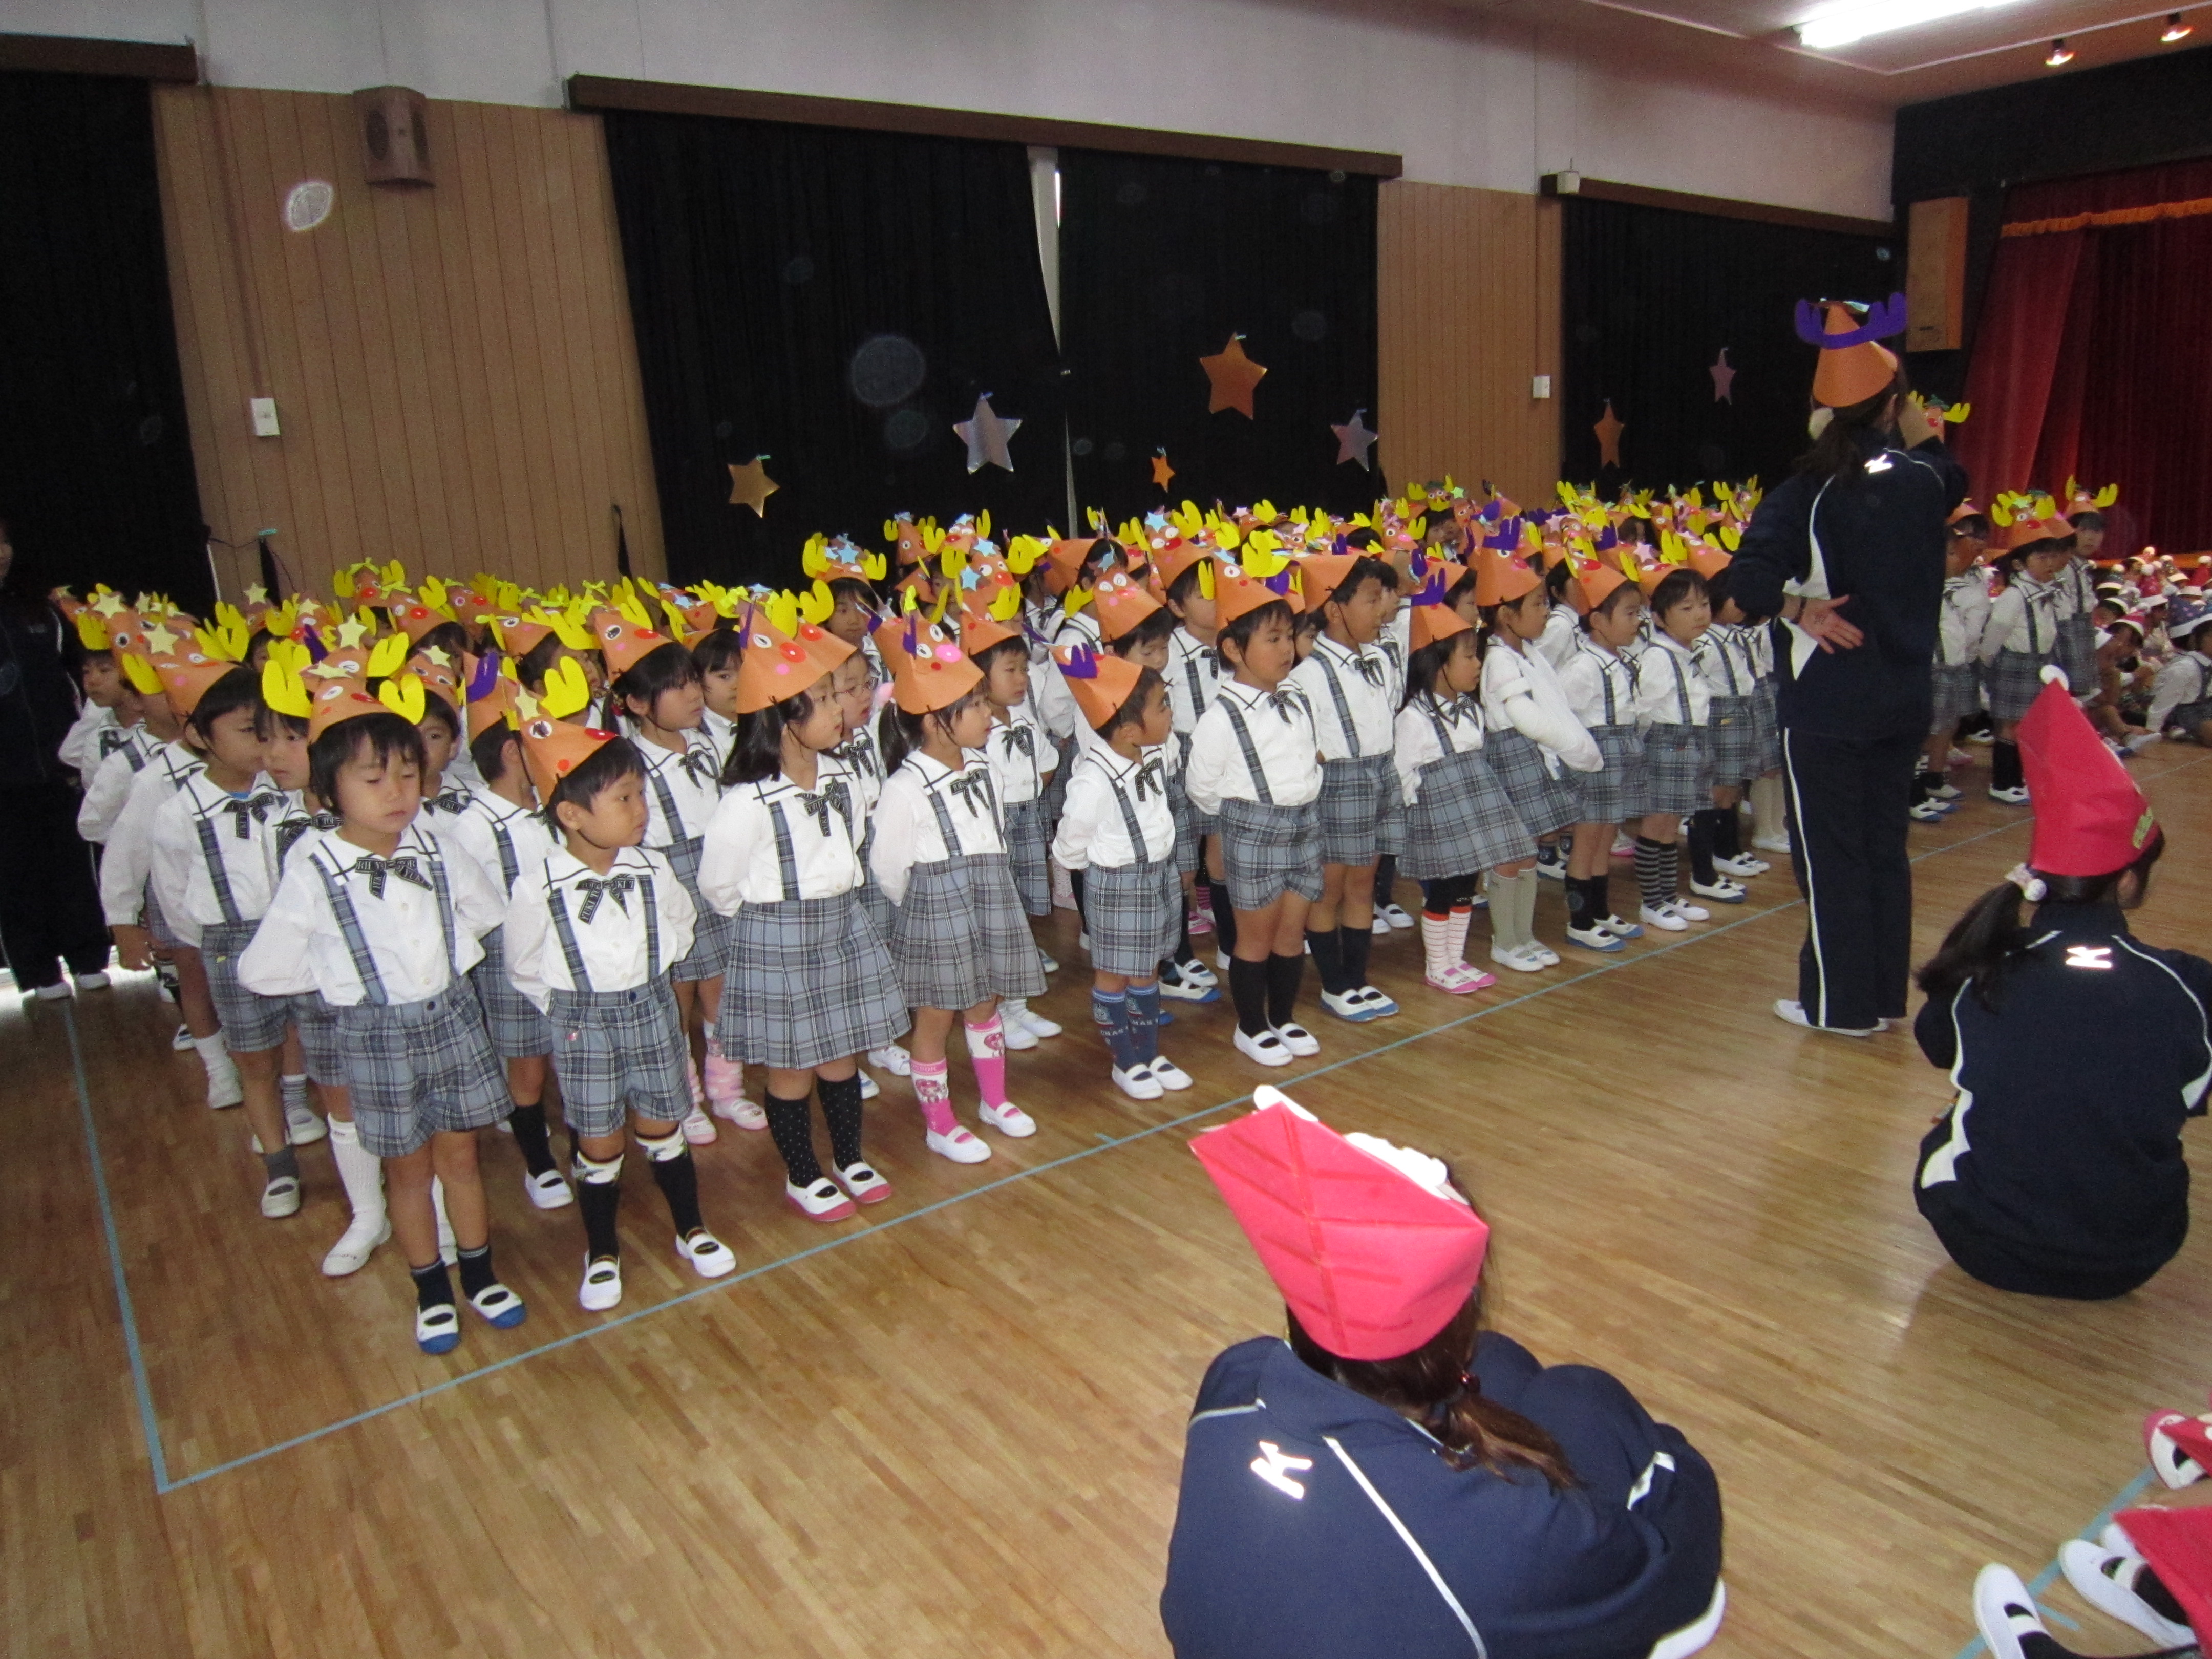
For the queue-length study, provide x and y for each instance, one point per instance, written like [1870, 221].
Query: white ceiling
[1754, 39]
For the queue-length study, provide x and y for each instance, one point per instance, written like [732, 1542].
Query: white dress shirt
[606, 914]
[1520, 690]
[722, 735]
[1586, 676]
[1669, 689]
[739, 865]
[1562, 628]
[907, 828]
[1282, 731]
[1723, 656]
[1419, 746]
[1193, 678]
[1054, 703]
[123, 752]
[691, 783]
[497, 834]
[184, 884]
[1092, 831]
[129, 859]
[80, 750]
[2024, 617]
[1964, 618]
[1371, 683]
[1020, 763]
[2186, 679]
[300, 947]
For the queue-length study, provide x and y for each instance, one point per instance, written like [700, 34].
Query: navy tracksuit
[1853, 721]
[2058, 1169]
[1287, 1541]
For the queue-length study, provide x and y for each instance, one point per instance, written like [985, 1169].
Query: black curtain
[1649, 299]
[835, 300]
[1161, 261]
[96, 474]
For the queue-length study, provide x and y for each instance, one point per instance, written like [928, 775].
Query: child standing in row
[1599, 681]
[1022, 759]
[1960, 626]
[1673, 704]
[2022, 635]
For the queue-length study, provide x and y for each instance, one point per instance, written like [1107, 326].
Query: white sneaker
[58, 991]
[1662, 917]
[963, 1145]
[351, 1253]
[1381, 927]
[2104, 1574]
[1945, 791]
[1396, 916]
[698, 1128]
[1197, 972]
[1774, 843]
[602, 1286]
[1721, 889]
[302, 1128]
[708, 1255]
[1046, 960]
[1168, 1074]
[893, 1059]
[1299, 1041]
[1545, 955]
[1619, 928]
[1520, 962]
[861, 1181]
[1035, 1024]
[1008, 1120]
[2016, 796]
[1742, 865]
[750, 1114]
[548, 1191]
[1138, 1083]
[1689, 911]
[181, 1042]
[1791, 1012]
[869, 1090]
[2004, 1611]
[1185, 988]
[1013, 1030]
[1925, 811]
[1350, 1006]
[824, 1202]
[281, 1198]
[1266, 1048]
[1221, 961]
[95, 981]
[225, 1088]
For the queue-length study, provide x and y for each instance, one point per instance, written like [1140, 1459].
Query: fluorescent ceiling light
[1840, 25]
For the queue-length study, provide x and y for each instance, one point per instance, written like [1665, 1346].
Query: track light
[2175, 30]
[2061, 54]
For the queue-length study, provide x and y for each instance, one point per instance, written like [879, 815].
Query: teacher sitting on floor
[1392, 1483]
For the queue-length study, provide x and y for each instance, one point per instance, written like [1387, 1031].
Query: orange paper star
[1233, 376]
[1608, 430]
[750, 486]
[1163, 474]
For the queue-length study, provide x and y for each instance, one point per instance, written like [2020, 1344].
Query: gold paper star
[159, 641]
[1608, 430]
[329, 669]
[351, 632]
[257, 594]
[109, 605]
[750, 486]
[1163, 474]
[1233, 377]
[438, 654]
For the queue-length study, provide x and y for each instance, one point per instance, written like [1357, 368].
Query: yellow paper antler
[404, 697]
[566, 691]
[384, 660]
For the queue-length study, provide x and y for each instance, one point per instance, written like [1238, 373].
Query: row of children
[2133, 647]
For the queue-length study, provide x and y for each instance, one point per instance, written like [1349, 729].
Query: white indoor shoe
[602, 1286]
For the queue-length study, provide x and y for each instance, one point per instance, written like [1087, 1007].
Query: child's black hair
[1556, 579]
[1426, 665]
[757, 754]
[534, 664]
[723, 648]
[601, 769]
[1464, 586]
[1717, 588]
[1361, 539]
[1132, 706]
[1099, 558]
[256, 650]
[667, 667]
[1184, 588]
[488, 749]
[2090, 519]
[86, 654]
[435, 708]
[1989, 941]
[385, 735]
[861, 592]
[1974, 524]
[1015, 646]
[1604, 607]
[268, 722]
[1678, 587]
[899, 735]
[1365, 569]
[1155, 629]
[2014, 559]
[450, 637]
[238, 689]
[1239, 633]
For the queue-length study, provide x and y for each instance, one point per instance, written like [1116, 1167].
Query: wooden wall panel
[454, 368]
[1468, 314]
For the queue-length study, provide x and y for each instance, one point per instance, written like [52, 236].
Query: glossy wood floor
[955, 1426]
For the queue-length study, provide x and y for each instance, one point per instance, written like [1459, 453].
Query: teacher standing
[1847, 554]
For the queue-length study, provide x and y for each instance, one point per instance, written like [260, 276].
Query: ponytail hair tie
[2031, 886]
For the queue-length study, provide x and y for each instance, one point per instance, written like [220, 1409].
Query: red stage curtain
[2094, 354]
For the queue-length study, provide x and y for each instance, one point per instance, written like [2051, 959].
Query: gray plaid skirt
[1958, 694]
[1679, 762]
[1768, 719]
[960, 937]
[2015, 680]
[809, 981]
[1268, 851]
[874, 902]
[710, 931]
[1546, 805]
[319, 1039]
[2077, 652]
[517, 1029]
[1732, 729]
[617, 1051]
[1621, 788]
[250, 1022]
[1133, 915]
[1026, 856]
[1461, 822]
[416, 1069]
[1362, 810]
[1054, 795]
[1191, 829]
[157, 925]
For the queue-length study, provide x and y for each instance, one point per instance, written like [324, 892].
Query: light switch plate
[1541, 387]
[264, 416]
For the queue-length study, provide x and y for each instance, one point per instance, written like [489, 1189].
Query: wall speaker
[1936, 275]
[395, 135]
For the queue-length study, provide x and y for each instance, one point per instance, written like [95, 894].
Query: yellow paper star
[440, 655]
[1233, 377]
[109, 605]
[351, 632]
[750, 486]
[159, 641]
[257, 594]
[329, 669]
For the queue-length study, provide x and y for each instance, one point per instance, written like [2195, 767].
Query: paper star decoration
[159, 640]
[1163, 474]
[986, 433]
[1354, 442]
[1233, 376]
[1723, 378]
[257, 594]
[350, 633]
[1608, 430]
[750, 486]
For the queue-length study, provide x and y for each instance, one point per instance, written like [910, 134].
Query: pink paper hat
[1373, 1260]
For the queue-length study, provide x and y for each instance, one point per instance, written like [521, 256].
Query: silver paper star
[986, 433]
[1354, 441]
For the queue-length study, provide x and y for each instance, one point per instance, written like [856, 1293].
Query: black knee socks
[1386, 879]
[2004, 766]
[1183, 944]
[1075, 885]
[678, 1178]
[1248, 990]
[1702, 833]
[841, 1106]
[1588, 899]
[791, 1126]
[1329, 960]
[433, 1289]
[1727, 832]
[1284, 974]
[600, 1201]
[1655, 871]
[1224, 916]
[476, 1275]
[1355, 943]
[536, 1145]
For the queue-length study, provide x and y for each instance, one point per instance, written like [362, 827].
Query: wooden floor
[955, 1427]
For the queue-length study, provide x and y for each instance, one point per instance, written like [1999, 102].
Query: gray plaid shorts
[416, 1069]
[1267, 851]
[1958, 694]
[1681, 763]
[616, 1052]
[517, 1029]
[809, 981]
[1732, 729]
[1026, 854]
[1134, 914]
[1363, 810]
[250, 1023]
[1621, 788]
[2014, 682]
[960, 936]
[1768, 718]
[319, 1039]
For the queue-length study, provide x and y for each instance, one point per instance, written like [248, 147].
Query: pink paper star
[1723, 378]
